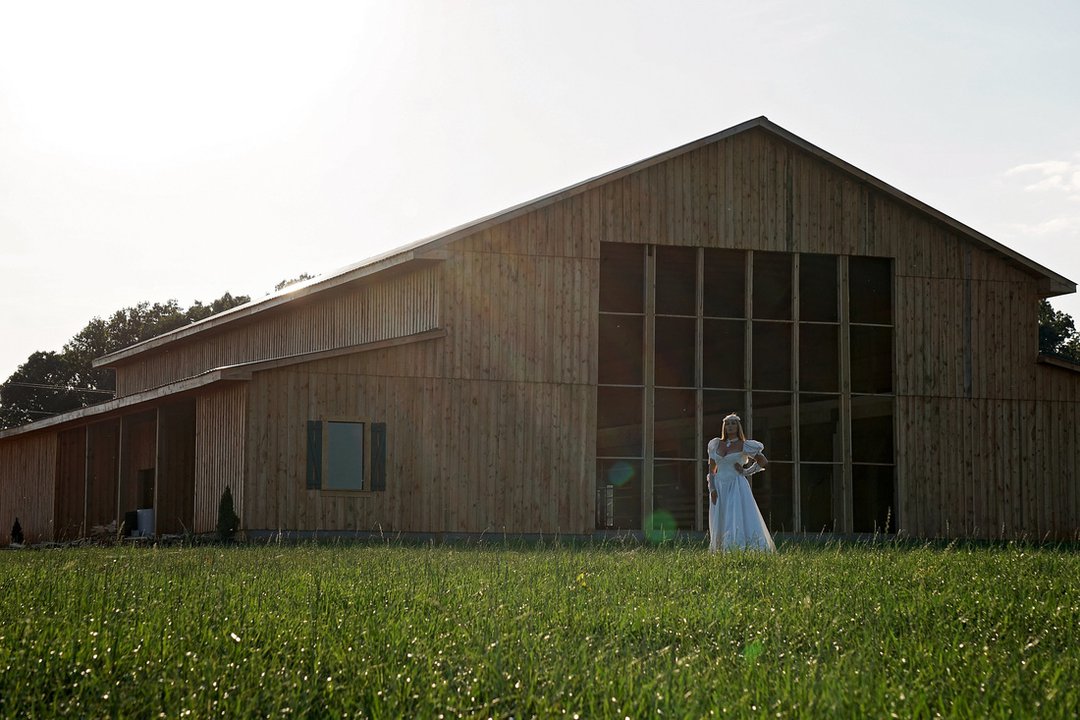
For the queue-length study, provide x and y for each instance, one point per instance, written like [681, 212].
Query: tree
[49, 383]
[1057, 333]
[286, 283]
[227, 521]
[39, 388]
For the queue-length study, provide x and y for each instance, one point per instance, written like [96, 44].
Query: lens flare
[620, 473]
[659, 526]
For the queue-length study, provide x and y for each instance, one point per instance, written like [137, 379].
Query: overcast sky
[153, 150]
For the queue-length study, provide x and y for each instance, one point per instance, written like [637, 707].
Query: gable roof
[430, 249]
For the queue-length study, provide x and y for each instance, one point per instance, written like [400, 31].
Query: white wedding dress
[734, 519]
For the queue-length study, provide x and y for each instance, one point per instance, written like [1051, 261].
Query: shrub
[227, 521]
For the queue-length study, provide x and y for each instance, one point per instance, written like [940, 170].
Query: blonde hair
[723, 427]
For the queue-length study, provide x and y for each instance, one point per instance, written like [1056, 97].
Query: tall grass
[594, 631]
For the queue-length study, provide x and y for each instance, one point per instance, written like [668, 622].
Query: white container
[146, 522]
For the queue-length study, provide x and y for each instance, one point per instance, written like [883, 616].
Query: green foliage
[227, 521]
[1057, 333]
[601, 632]
[286, 283]
[70, 374]
[41, 387]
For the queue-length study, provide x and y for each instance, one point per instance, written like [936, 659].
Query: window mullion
[649, 366]
[846, 498]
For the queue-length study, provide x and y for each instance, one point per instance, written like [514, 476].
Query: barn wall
[220, 418]
[516, 374]
[399, 305]
[175, 501]
[138, 465]
[462, 456]
[103, 471]
[71, 483]
[965, 323]
[491, 428]
[27, 483]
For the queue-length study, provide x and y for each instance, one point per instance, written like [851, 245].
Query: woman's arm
[759, 464]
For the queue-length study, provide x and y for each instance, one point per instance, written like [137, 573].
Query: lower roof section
[232, 373]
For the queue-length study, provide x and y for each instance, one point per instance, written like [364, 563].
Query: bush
[227, 521]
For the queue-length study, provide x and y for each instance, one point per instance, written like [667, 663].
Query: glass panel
[771, 356]
[725, 283]
[622, 278]
[872, 496]
[673, 494]
[771, 424]
[772, 285]
[675, 347]
[618, 494]
[816, 487]
[819, 428]
[675, 423]
[619, 360]
[618, 422]
[819, 358]
[716, 405]
[773, 492]
[724, 350]
[870, 281]
[818, 286]
[676, 281]
[871, 359]
[344, 456]
[872, 429]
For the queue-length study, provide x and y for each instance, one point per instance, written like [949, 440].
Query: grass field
[549, 631]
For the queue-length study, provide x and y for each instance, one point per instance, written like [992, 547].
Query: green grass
[594, 631]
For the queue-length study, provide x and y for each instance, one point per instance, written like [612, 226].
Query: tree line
[49, 382]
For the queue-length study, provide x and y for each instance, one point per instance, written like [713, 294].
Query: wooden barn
[560, 366]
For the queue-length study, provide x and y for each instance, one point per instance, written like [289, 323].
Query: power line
[39, 386]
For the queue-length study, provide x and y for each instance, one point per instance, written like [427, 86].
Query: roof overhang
[232, 373]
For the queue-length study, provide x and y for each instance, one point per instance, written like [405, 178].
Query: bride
[734, 518]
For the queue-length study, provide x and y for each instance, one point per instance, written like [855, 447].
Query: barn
[558, 368]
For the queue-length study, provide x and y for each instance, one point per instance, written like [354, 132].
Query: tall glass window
[801, 345]
[620, 395]
[873, 471]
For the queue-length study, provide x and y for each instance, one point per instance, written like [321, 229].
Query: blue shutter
[378, 456]
[314, 454]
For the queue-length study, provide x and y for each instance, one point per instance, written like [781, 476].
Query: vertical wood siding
[138, 455]
[103, 470]
[27, 485]
[461, 455]
[219, 452]
[71, 483]
[494, 426]
[175, 502]
[400, 305]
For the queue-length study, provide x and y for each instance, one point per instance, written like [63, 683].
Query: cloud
[1050, 176]
[1066, 225]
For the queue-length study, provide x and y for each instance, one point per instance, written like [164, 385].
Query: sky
[153, 151]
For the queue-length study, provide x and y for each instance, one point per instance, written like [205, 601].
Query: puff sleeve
[714, 449]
